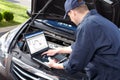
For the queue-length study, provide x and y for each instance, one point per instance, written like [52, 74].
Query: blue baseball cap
[71, 4]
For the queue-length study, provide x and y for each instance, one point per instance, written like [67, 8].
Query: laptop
[37, 44]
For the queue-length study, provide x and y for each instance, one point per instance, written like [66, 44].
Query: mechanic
[96, 47]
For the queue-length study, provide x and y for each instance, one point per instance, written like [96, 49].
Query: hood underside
[51, 7]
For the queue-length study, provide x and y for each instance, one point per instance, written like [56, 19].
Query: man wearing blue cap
[97, 44]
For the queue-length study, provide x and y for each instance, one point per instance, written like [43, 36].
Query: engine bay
[53, 38]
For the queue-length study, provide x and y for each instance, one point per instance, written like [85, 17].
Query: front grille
[22, 71]
[21, 74]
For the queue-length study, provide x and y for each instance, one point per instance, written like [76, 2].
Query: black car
[18, 61]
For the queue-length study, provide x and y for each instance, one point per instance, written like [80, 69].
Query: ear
[73, 12]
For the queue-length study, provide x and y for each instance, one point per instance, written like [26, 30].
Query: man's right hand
[51, 52]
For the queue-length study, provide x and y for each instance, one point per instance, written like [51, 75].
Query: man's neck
[81, 17]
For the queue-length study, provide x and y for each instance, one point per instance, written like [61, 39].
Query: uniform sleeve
[82, 51]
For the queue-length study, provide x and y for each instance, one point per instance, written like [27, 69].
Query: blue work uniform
[97, 42]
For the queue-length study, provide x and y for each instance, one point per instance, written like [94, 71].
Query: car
[17, 46]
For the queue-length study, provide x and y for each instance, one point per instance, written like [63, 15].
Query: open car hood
[48, 8]
[54, 9]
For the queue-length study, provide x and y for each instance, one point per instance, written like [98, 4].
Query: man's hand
[53, 64]
[51, 52]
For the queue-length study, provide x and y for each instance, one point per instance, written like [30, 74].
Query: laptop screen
[36, 42]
